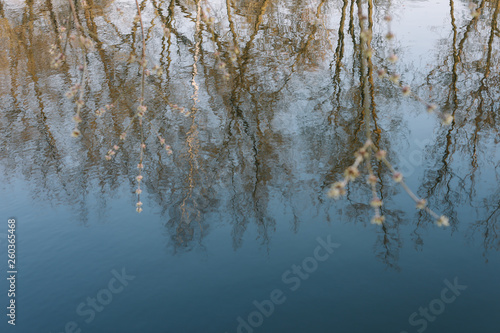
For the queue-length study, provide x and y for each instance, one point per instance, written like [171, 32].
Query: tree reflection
[262, 103]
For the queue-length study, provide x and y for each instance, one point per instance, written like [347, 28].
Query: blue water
[62, 262]
[237, 233]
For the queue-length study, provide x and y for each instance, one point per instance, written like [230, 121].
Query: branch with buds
[364, 154]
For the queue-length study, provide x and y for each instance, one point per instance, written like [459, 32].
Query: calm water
[263, 110]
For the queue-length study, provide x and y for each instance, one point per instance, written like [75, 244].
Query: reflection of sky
[299, 113]
[68, 247]
[420, 26]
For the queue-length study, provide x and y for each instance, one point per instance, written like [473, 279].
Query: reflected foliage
[262, 105]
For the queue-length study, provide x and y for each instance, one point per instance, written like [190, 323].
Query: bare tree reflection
[262, 102]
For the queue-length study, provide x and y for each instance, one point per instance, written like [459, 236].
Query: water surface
[263, 109]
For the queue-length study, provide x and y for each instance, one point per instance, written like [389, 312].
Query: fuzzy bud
[378, 219]
[397, 177]
[381, 154]
[443, 221]
[421, 204]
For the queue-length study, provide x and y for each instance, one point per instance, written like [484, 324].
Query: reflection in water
[263, 102]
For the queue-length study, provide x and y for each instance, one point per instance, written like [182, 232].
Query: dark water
[263, 109]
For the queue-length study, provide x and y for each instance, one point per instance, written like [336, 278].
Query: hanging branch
[338, 189]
